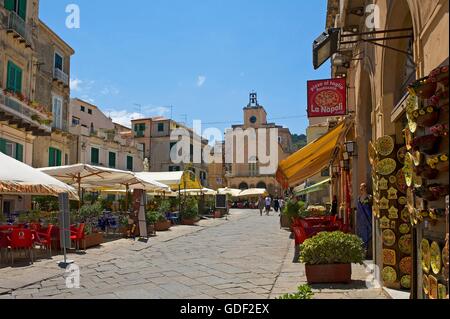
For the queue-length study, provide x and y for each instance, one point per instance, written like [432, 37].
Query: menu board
[221, 201]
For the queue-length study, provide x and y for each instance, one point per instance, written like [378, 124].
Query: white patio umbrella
[229, 191]
[195, 192]
[17, 178]
[252, 192]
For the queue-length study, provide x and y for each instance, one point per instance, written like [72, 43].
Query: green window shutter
[18, 88]
[51, 157]
[112, 160]
[129, 163]
[22, 12]
[58, 157]
[19, 152]
[3, 146]
[95, 156]
[11, 77]
[10, 5]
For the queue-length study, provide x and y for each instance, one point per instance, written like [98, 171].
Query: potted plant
[158, 221]
[290, 212]
[87, 214]
[190, 214]
[328, 257]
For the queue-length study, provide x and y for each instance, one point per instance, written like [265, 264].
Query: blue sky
[203, 57]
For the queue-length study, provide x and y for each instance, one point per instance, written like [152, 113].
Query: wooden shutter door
[19, 152]
[22, 12]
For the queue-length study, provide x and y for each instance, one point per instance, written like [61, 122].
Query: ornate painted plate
[426, 284]
[386, 167]
[405, 244]
[404, 229]
[406, 282]
[401, 182]
[433, 293]
[404, 215]
[385, 145]
[393, 179]
[408, 169]
[389, 257]
[442, 291]
[406, 265]
[426, 256]
[389, 238]
[402, 201]
[436, 261]
[401, 154]
[389, 275]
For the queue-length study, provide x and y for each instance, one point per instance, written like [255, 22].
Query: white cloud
[110, 90]
[125, 117]
[160, 110]
[201, 80]
[75, 85]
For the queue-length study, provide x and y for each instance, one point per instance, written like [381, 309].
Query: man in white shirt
[268, 205]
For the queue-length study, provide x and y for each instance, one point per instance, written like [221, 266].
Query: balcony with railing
[17, 112]
[19, 28]
[61, 76]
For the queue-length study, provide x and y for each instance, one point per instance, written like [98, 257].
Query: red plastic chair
[20, 239]
[45, 239]
[77, 235]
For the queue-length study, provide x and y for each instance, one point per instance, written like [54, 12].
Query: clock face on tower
[253, 119]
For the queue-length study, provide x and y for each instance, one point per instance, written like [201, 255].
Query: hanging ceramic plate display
[404, 215]
[386, 167]
[426, 284]
[385, 223]
[385, 145]
[384, 203]
[393, 179]
[389, 257]
[389, 275]
[404, 229]
[405, 244]
[401, 182]
[426, 256]
[383, 184]
[436, 262]
[433, 293]
[442, 291]
[406, 282]
[389, 238]
[402, 201]
[401, 154]
[406, 265]
[408, 169]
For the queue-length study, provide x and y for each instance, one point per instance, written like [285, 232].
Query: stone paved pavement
[247, 256]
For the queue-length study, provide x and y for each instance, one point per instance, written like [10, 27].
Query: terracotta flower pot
[189, 222]
[217, 214]
[285, 221]
[92, 240]
[163, 226]
[335, 273]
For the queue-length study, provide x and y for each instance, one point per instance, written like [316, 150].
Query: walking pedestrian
[276, 204]
[364, 216]
[268, 205]
[261, 205]
[282, 203]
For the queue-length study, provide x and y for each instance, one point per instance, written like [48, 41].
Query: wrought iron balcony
[61, 76]
[19, 28]
[16, 112]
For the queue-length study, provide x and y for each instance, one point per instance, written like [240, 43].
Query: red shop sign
[327, 98]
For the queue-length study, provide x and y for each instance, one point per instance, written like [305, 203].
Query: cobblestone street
[246, 256]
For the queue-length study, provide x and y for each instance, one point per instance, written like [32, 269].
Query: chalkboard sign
[221, 201]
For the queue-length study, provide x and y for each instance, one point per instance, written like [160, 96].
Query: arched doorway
[243, 186]
[261, 185]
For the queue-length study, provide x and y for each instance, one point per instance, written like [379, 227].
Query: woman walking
[261, 205]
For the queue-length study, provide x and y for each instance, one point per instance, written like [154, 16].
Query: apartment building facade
[99, 141]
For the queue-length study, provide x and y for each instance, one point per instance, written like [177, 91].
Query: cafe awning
[311, 159]
[314, 188]
[176, 180]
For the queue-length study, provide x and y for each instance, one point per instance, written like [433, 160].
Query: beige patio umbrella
[196, 192]
[17, 178]
[229, 191]
[253, 192]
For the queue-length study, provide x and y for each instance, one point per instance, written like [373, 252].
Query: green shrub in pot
[191, 209]
[332, 248]
[153, 217]
[292, 208]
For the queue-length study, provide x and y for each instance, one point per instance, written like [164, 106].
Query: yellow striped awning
[311, 159]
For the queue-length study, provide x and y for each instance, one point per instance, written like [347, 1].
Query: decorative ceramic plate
[406, 282]
[404, 229]
[385, 145]
[401, 182]
[417, 158]
[408, 139]
[389, 275]
[433, 293]
[408, 169]
[406, 265]
[402, 201]
[389, 238]
[442, 291]
[405, 244]
[401, 154]
[417, 181]
[384, 203]
[426, 284]
[426, 256]
[404, 215]
[386, 167]
[392, 179]
[436, 261]
[445, 261]
[389, 257]
[385, 223]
